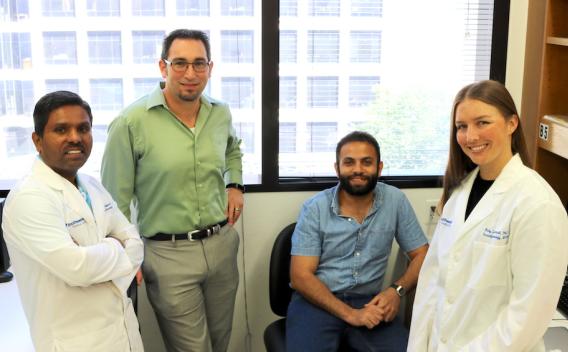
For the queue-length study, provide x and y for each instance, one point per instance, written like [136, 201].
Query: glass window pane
[105, 47]
[323, 8]
[147, 46]
[14, 10]
[367, 8]
[288, 45]
[237, 46]
[192, 7]
[16, 97]
[245, 131]
[106, 94]
[362, 90]
[366, 46]
[287, 137]
[321, 136]
[238, 92]
[237, 7]
[148, 8]
[289, 8]
[103, 8]
[288, 92]
[52, 85]
[143, 86]
[323, 46]
[323, 92]
[15, 51]
[60, 48]
[58, 8]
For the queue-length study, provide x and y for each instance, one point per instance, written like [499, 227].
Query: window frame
[270, 180]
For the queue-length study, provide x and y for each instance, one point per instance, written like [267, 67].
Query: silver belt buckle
[215, 229]
[189, 235]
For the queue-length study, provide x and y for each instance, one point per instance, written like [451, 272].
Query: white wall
[266, 214]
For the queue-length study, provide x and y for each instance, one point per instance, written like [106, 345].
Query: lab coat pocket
[80, 234]
[489, 265]
[112, 338]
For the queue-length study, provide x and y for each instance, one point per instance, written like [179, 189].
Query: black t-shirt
[480, 186]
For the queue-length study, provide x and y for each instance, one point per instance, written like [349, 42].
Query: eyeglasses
[181, 65]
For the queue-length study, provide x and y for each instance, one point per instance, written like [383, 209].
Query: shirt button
[356, 274]
[357, 254]
[450, 300]
[444, 340]
[349, 219]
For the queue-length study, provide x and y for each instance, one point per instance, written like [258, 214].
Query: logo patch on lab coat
[446, 222]
[75, 223]
[496, 234]
[108, 206]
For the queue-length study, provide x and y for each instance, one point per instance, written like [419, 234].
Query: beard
[189, 97]
[362, 190]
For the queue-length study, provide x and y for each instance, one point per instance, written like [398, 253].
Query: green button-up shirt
[174, 176]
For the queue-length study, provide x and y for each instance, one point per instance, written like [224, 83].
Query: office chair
[280, 291]
[5, 275]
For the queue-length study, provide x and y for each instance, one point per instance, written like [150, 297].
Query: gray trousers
[192, 288]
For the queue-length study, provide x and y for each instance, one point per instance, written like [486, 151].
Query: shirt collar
[377, 201]
[156, 98]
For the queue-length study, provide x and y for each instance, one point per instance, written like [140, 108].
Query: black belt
[192, 235]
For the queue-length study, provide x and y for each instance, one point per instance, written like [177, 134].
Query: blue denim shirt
[353, 256]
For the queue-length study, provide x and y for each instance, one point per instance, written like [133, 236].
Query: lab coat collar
[75, 200]
[506, 180]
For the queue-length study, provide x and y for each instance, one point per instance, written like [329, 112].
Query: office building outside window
[148, 8]
[237, 46]
[192, 7]
[324, 8]
[288, 8]
[321, 137]
[143, 86]
[287, 136]
[147, 46]
[323, 46]
[238, 92]
[365, 46]
[14, 10]
[288, 46]
[362, 90]
[103, 8]
[237, 7]
[58, 8]
[105, 47]
[245, 131]
[106, 94]
[16, 50]
[60, 48]
[323, 92]
[288, 92]
[52, 85]
[367, 8]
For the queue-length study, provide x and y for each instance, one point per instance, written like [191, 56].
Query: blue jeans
[310, 328]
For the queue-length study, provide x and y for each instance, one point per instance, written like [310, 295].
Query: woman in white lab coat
[495, 267]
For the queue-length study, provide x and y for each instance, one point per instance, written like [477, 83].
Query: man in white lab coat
[73, 252]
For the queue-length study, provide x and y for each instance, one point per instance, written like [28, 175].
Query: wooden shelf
[557, 41]
[553, 134]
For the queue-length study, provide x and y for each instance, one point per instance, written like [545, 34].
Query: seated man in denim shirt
[340, 251]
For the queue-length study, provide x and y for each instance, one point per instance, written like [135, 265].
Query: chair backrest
[280, 291]
[4, 259]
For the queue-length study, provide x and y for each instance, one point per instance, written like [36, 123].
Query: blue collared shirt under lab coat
[353, 256]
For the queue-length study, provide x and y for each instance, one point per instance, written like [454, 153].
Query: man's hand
[370, 316]
[139, 277]
[388, 301]
[234, 205]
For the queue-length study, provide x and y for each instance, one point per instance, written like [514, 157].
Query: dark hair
[358, 136]
[459, 165]
[185, 34]
[53, 101]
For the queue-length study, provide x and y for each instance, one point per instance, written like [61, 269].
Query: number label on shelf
[543, 131]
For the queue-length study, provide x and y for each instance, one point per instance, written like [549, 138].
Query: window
[367, 8]
[323, 8]
[362, 90]
[58, 8]
[14, 10]
[106, 8]
[288, 92]
[289, 8]
[16, 97]
[238, 92]
[143, 86]
[245, 131]
[366, 46]
[18, 141]
[60, 48]
[323, 46]
[237, 7]
[104, 48]
[148, 8]
[106, 94]
[322, 136]
[192, 7]
[16, 50]
[288, 44]
[323, 92]
[237, 46]
[287, 137]
[52, 85]
[147, 46]
[337, 64]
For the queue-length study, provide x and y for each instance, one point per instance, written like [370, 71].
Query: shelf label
[543, 131]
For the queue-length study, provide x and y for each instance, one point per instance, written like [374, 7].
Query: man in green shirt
[174, 155]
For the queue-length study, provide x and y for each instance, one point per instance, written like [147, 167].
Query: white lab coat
[72, 278]
[492, 283]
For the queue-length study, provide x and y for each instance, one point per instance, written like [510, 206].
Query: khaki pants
[192, 288]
